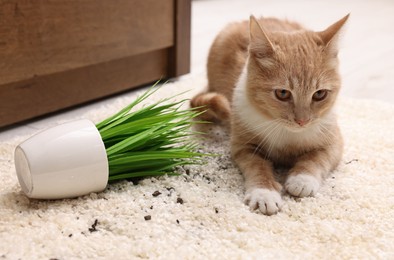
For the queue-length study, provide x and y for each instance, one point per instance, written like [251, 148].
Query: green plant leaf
[152, 140]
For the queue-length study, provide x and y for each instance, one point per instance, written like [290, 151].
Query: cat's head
[293, 76]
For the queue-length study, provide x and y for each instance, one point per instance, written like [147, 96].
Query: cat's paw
[302, 185]
[267, 201]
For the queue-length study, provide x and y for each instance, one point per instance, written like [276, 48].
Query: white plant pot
[65, 161]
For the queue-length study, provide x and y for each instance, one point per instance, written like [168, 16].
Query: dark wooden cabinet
[56, 54]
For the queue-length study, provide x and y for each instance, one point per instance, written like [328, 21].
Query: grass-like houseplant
[149, 141]
[80, 157]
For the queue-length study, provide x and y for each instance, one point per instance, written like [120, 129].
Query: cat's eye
[282, 94]
[320, 95]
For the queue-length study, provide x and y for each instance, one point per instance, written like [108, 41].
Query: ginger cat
[277, 83]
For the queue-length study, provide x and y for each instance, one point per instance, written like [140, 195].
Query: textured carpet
[201, 215]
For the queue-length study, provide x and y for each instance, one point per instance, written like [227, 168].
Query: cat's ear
[331, 35]
[260, 44]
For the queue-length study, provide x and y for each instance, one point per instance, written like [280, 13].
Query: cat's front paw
[267, 201]
[302, 185]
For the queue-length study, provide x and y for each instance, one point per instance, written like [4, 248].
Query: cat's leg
[307, 175]
[216, 106]
[262, 190]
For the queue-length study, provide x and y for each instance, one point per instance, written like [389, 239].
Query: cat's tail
[216, 106]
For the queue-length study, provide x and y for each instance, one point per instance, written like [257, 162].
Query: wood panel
[180, 53]
[41, 37]
[58, 53]
[37, 95]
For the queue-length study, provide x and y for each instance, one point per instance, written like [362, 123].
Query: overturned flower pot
[79, 157]
[67, 160]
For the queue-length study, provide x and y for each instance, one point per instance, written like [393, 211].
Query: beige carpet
[201, 215]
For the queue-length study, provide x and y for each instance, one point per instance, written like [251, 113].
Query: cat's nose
[302, 121]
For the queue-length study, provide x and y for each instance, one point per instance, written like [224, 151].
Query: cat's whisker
[251, 128]
[270, 129]
[255, 132]
[274, 139]
[256, 129]
[326, 133]
[267, 139]
[259, 133]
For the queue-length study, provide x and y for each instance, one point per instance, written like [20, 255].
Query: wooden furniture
[56, 54]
